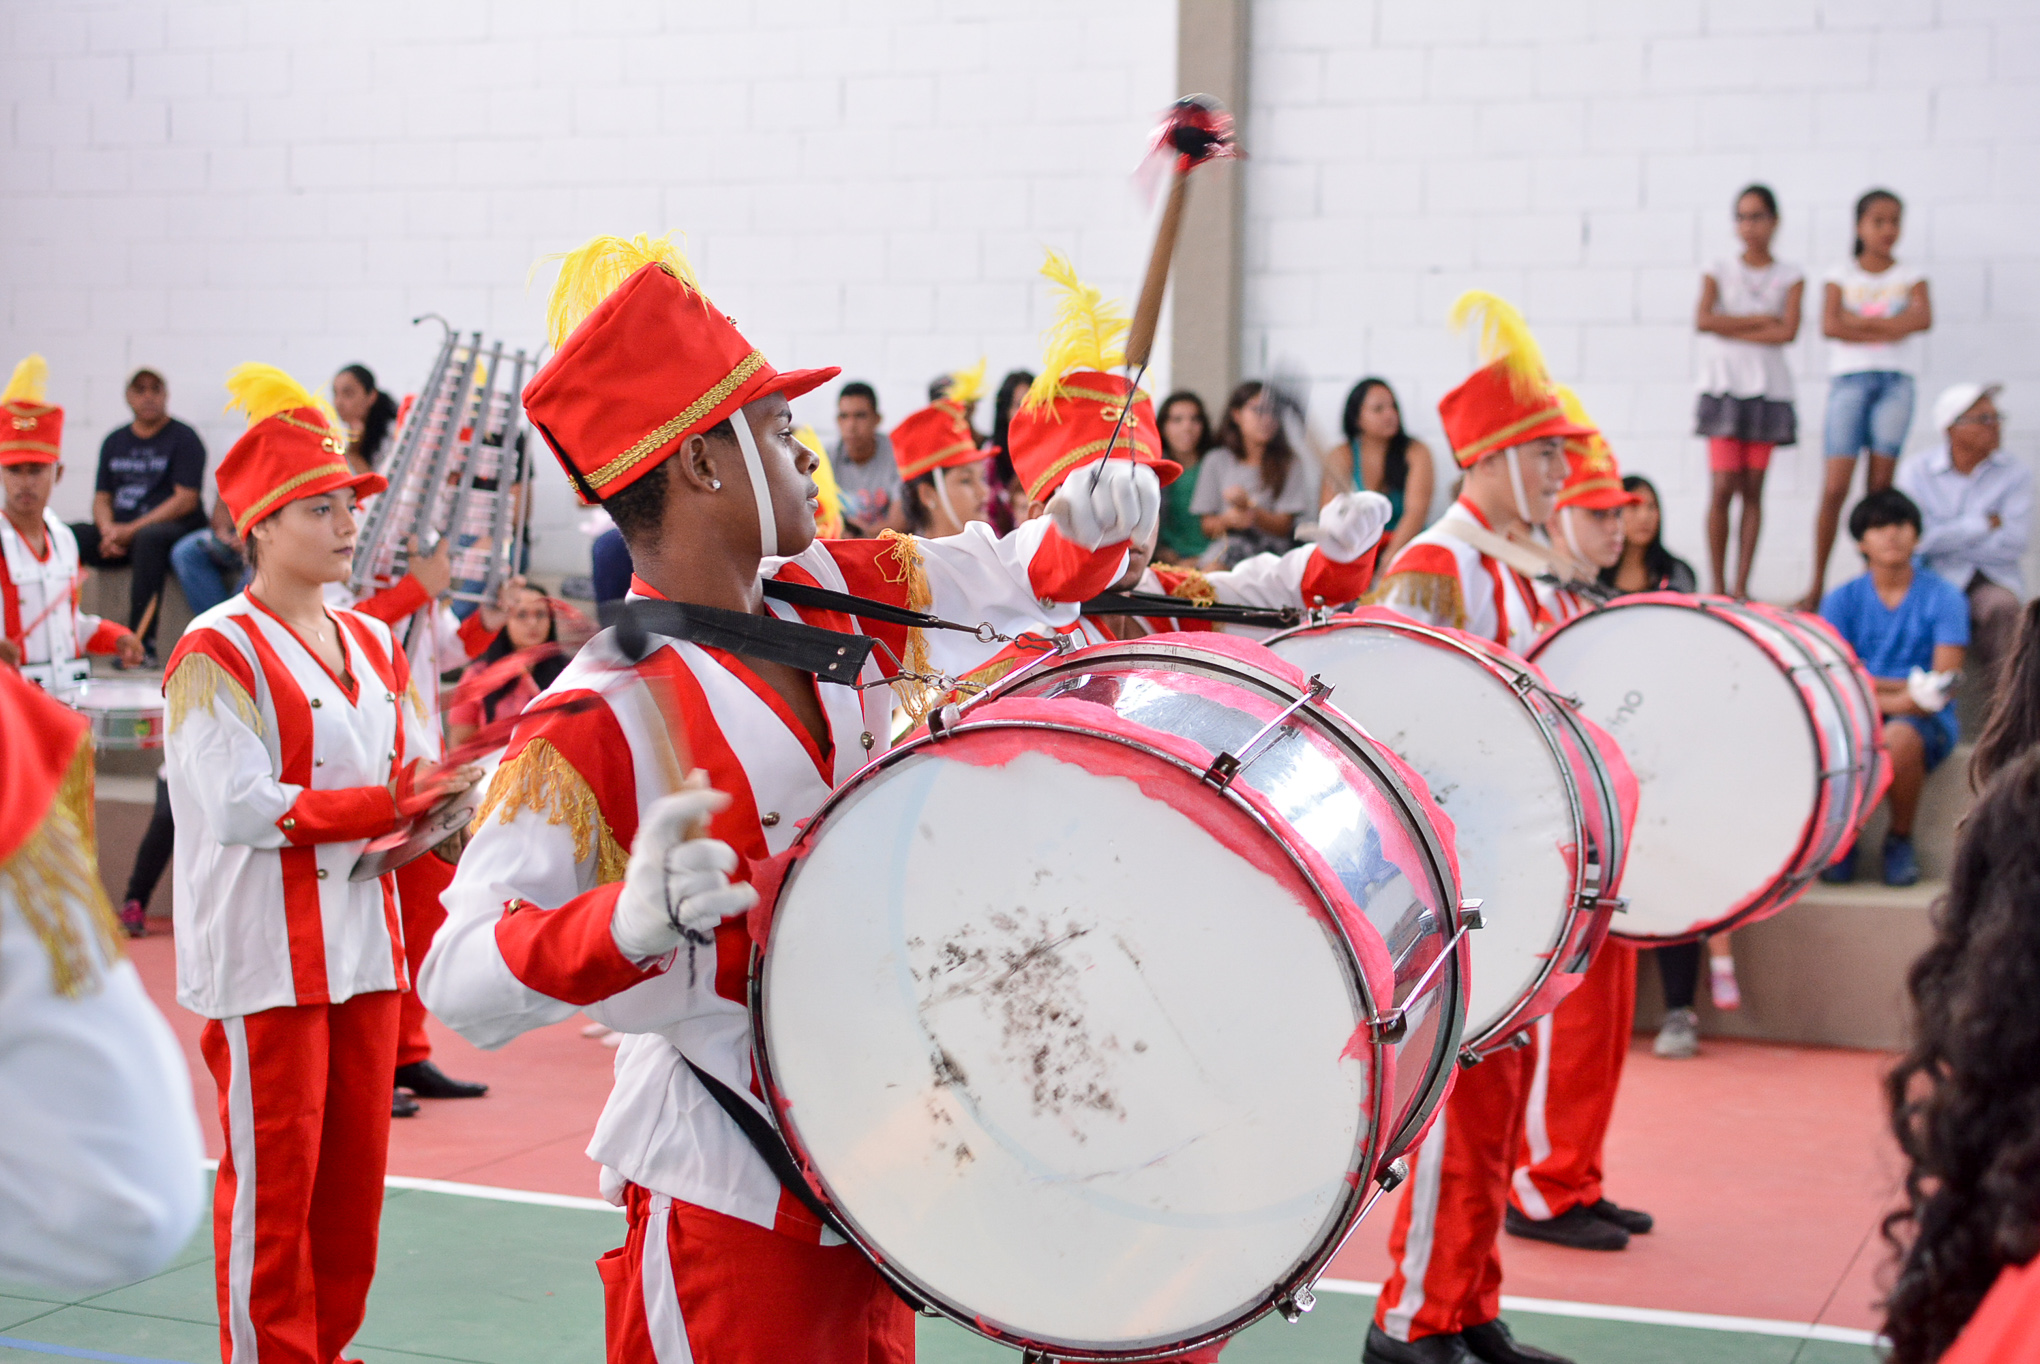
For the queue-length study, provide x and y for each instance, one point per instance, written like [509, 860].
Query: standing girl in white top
[1748, 314]
[1872, 307]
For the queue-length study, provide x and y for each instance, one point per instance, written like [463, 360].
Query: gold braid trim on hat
[198, 680]
[57, 869]
[283, 491]
[693, 413]
[541, 780]
[1195, 588]
[1435, 594]
[1081, 455]
[903, 553]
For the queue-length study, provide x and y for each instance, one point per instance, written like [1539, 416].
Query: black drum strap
[772, 1149]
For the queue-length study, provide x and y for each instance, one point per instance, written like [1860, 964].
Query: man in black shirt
[146, 497]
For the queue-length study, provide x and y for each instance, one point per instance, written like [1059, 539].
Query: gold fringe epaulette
[1194, 587]
[55, 874]
[540, 779]
[1435, 594]
[901, 562]
[195, 684]
[417, 702]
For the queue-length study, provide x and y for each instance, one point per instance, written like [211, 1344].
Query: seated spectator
[1647, 566]
[863, 460]
[530, 624]
[1251, 486]
[211, 564]
[1910, 629]
[145, 498]
[1976, 505]
[1186, 435]
[1381, 456]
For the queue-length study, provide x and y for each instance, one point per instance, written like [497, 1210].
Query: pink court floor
[1767, 1167]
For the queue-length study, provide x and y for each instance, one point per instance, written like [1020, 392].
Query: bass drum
[1094, 1012]
[1752, 764]
[1540, 798]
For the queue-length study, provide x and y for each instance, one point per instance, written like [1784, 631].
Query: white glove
[1107, 503]
[1929, 691]
[1351, 524]
[675, 882]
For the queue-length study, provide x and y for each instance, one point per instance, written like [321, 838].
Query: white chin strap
[1571, 541]
[754, 464]
[1516, 486]
[942, 496]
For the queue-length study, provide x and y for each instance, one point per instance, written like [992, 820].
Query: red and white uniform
[99, 1154]
[1441, 580]
[527, 942]
[39, 607]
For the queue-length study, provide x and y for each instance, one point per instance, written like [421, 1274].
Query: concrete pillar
[1204, 328]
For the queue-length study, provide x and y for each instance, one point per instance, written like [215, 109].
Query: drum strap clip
[1226, 766]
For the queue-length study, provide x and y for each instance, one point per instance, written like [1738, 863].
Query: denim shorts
[1937, 736]
[1869, 410]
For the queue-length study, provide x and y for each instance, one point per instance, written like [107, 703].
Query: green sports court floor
[475, 1278]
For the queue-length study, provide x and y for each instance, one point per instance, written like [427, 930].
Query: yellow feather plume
[593, 271]
[829, 516]
[31, 378]
[1089, 331]
[264, 390]
[966, 386]
[1504, 336]
[1575, 410]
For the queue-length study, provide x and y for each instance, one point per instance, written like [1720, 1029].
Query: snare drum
[124, 715]
[1755, 751]
[1093, 1012]
[1538, 796]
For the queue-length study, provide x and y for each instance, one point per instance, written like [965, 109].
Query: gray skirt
[1753, 419]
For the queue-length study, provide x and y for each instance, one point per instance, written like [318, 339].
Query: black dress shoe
[1491, 1343]
[1575, 1227]
[402, 1105]
[1383, 1348]
[1629, 1219]
[428, 1081]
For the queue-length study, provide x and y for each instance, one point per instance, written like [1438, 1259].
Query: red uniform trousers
[1576, 1064]
[689, 1284]
[305, 1106]
[420, 882]
[1448, 1271]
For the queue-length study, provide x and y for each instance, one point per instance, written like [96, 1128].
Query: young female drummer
[292, 730]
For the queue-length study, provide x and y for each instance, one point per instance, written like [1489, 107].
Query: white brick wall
[1579, 156]
[866, 184]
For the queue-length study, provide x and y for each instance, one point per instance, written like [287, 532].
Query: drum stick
[1140, 338]
[148, 617]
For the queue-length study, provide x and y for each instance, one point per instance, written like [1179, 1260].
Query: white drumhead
[1484, 756]
[102, 695]
[1727, 767]
[1058, 1053]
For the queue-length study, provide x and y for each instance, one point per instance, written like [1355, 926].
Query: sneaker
[1842, 870]
[1575, 1227]
[1901, 864]
[134, 917]
[1491, 1343]
[1721, 986]
[1632, 1220]
[1678, 1037]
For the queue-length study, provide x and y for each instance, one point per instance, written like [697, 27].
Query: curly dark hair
[2013, 723]
[1965, 1100]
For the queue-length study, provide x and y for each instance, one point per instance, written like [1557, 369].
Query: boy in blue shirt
[1910, 630]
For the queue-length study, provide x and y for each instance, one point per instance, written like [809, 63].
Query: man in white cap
[1976, 503]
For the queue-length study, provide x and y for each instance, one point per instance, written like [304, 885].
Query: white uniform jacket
[527, 940]
[279, 775]
[1441, 580]
[38, 606]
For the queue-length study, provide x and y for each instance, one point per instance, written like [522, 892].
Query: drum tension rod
[1226, 766]
[1388, 1181]
[1391, 1026]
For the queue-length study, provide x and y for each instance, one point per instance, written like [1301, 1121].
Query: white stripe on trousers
[1423, 1232]
[241, 1144]
[1535, 1132]
[663, 1322]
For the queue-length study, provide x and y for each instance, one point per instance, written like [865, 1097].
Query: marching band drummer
[945, 479]
[1577, 1051]
[46, 635]
[1506, 426]
[293, 732]
[657, 407]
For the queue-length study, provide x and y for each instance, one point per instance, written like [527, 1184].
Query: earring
[716, 484]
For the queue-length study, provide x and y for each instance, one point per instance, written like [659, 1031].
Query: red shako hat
[294, 448]
[1511, 398]
[939, 435]
[642, 360]
[1592, 478]
[1075, 407]
[31, 429]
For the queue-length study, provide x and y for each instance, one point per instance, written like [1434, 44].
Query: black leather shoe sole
[428, 1081]
[1629, 1219]
[1575, 1227]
